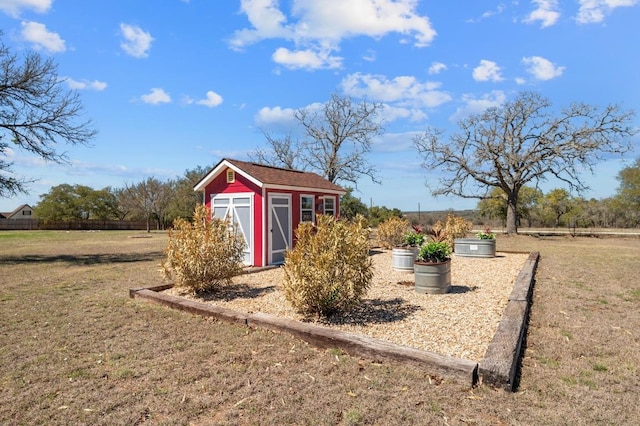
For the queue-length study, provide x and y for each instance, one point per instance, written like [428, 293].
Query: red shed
[267, 203]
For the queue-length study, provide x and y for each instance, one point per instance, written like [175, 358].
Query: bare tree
[149, 198]
[37, 112]
[124, 205]
[283, 152]
[521, 142]
[339, 135]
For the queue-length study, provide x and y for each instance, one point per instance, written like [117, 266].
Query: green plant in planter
[434, 252]
[486, 234]
[413, 239]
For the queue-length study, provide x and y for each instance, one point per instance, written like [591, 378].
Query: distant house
[23, 212]
[267, 203]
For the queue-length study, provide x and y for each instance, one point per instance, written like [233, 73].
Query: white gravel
[460, 323]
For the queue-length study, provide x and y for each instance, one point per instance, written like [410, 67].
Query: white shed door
[239, 209]
[279, 227]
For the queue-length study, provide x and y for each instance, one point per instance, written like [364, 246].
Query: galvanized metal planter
[432, 278]
[403, 257]
[475, 247]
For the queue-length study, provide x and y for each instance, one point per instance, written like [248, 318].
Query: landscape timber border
[499, 367]
[501, 363]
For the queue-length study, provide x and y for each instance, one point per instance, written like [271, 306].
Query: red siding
[243, 185]
[220, 186]
[295, 206]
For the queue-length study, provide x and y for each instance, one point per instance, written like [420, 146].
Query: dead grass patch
[75, 349]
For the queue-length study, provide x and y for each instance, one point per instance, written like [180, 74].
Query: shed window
[330, 206]
[306, 208]
[231, 176]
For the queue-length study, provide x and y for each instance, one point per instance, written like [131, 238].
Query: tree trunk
[512, 213]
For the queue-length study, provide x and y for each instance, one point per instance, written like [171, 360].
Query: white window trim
[313, 207]
[324, 204]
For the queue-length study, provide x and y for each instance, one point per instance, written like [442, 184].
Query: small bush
[204, 254]
[453, 227]
[391, 232]
[329, 270]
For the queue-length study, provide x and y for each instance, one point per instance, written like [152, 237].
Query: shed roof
[271, 177]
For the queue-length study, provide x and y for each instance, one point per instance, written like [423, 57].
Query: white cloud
[81, 168]
[20, 158]
[267, 21]
[212, 100]
[86, 85]
[373, 18]
[305, 59]
[487, 71]
[13, 8]
[37, 33]
[437, 67]
[488, 14]
[404, 90]
[594, 11]
[473, 105]
[370, 56]
[157, 96]
[392, 113]
[136, 42]
[395, 142]
[268, 115]
[547, 13]
[541, 68]
[314, 26]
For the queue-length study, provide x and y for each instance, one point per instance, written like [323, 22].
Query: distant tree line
[157, 202]
[351, 206]
[556, 208]
[152, 200]
[160, 202]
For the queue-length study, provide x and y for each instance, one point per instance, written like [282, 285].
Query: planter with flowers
[484, 245]
[432, 268]
[404, 256]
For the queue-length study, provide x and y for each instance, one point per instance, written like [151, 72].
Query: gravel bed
[460, 323]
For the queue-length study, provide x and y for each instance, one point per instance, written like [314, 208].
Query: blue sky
[172, 85]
